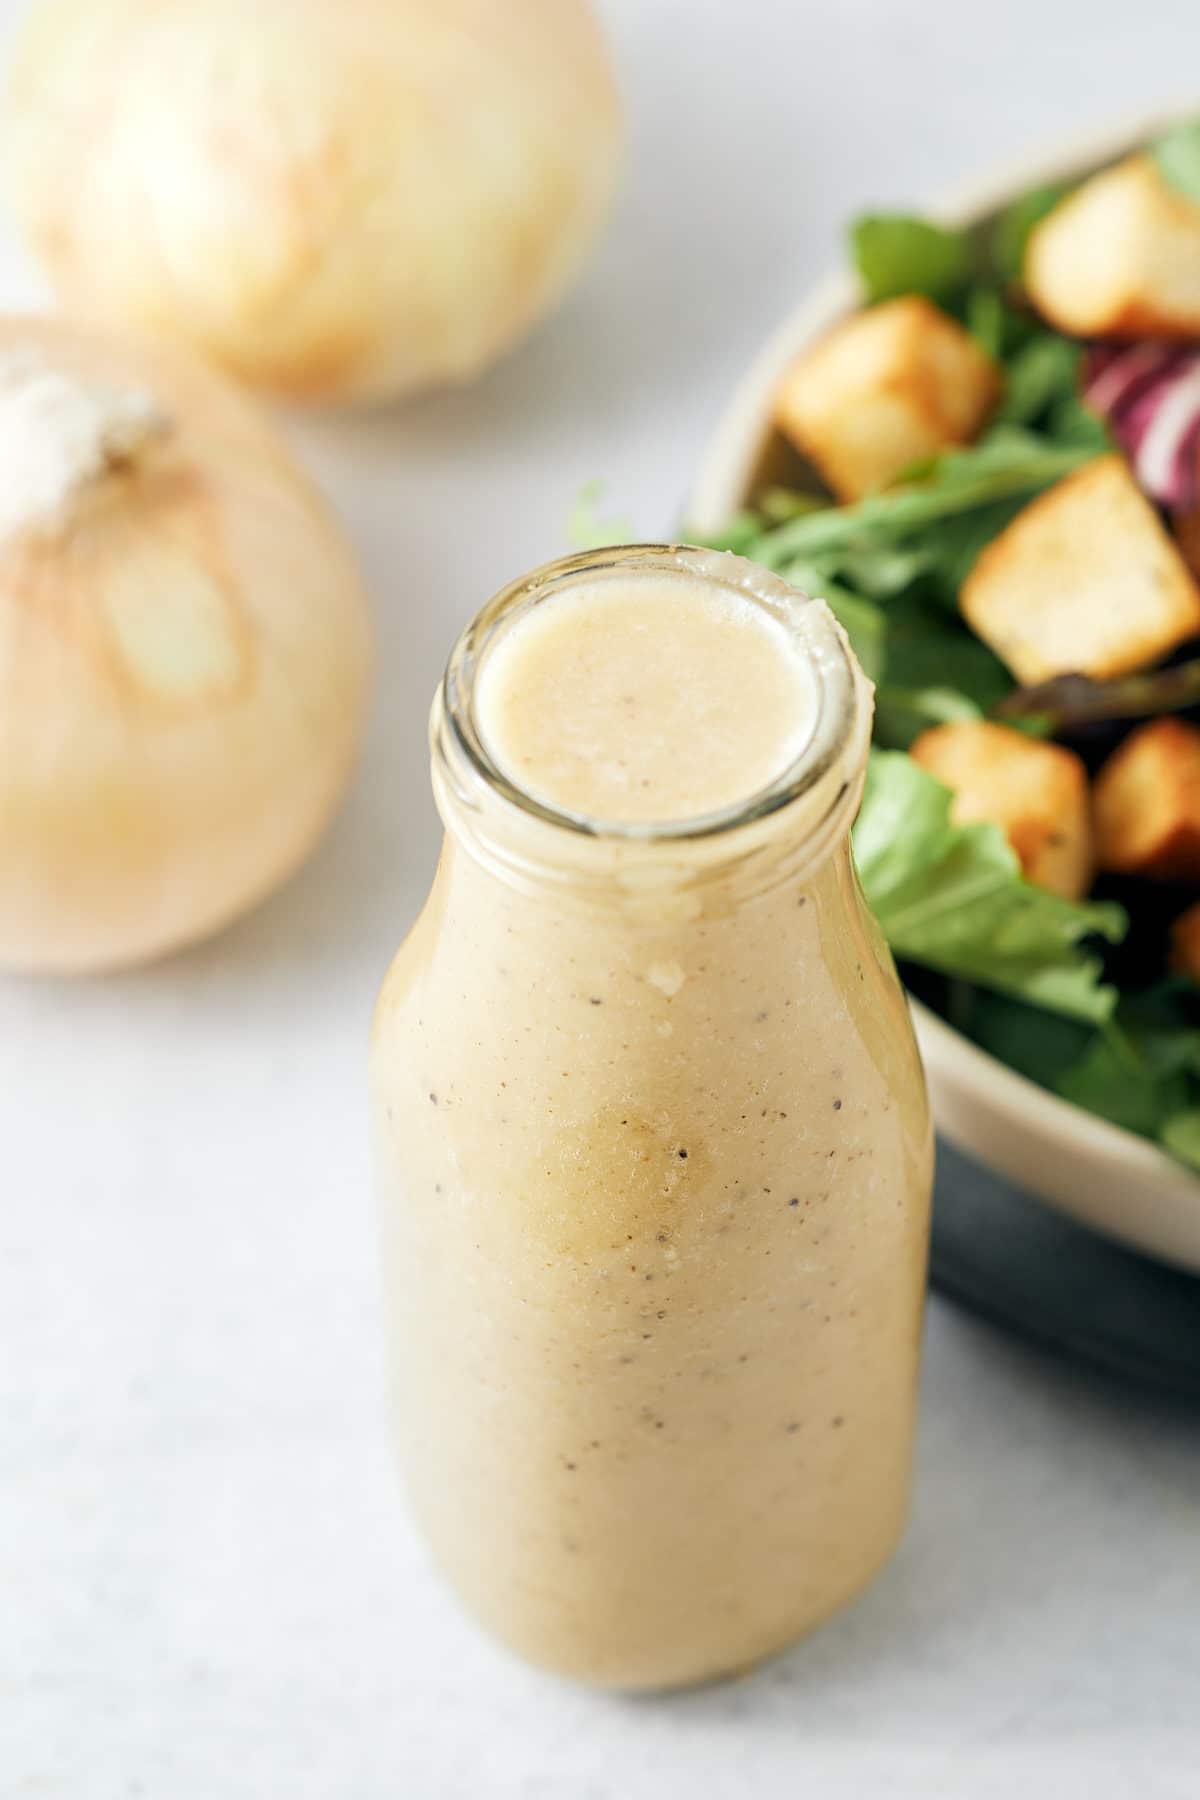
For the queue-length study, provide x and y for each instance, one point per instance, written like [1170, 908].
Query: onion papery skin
[340, 201]
[184, 660]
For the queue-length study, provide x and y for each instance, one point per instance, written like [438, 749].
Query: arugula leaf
[928, 647]
[985, 319]
[950, 546]
[861, 620]
[891, 567]
[863, 624]
[1012, 229]
[742, 535]
[1043, 391]
[1044, 372]
[902, 714]
[897, 253]
[883, 570]
[778, 504]
[1070, 422]
[1008, 464]
[1177, 158]
[952, 898]
[1001, 329]
[927, 666]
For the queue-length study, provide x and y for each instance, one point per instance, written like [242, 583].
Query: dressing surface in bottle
[653, 1142]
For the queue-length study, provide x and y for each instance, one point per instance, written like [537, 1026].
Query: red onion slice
[1165, 460]
[1150, 395]
[1115, 374]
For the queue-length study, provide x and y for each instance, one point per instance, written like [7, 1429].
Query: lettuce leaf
[952, 898]
[897, 253]
[1037, 1044]
[1140, 1070]
[1138, 1086]
[1143, 1070]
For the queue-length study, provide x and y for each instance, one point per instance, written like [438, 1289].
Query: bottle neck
[780, 834]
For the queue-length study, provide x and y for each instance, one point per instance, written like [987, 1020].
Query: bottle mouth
[826, 763]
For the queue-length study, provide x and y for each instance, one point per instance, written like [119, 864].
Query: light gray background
[208, 1587]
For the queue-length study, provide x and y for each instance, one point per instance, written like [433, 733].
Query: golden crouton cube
[1036, 792]
[1085, 580]
[1185, 943]
[1146, 803]
[1120, 257]
[888, 387]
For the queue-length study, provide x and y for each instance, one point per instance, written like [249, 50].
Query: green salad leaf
[1139, 1070]
[777, 504]
[1012, 230]
[1181, 1136]
[1020, 970]
[1043, 391]
[949, 546]
[1000, 327]
[1143, 1070]
[952, 898]
[1009, 463]
[1070, 423]
[986, 318]
[864, 623]
[1041, 374]
[891, 567]
[928, 647]
[902, 714]
[897, 253]
[1139, 1084]
[1037, 1044]
[1177, 157]
[861, 620]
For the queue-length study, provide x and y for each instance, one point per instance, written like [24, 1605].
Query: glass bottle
[655, 1163]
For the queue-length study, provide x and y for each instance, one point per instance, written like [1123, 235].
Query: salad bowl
[1104, 1176]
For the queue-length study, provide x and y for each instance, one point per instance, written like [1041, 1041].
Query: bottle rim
[836, 743]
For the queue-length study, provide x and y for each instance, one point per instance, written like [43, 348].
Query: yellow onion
[183, 651]
[336, 199]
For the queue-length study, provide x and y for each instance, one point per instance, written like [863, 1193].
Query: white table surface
[208, 1586]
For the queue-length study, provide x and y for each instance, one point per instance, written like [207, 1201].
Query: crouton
[1146, 803]
[1185, 943]
[1085, 580]
[1120, 257]
[1037, 793]
[889, 386]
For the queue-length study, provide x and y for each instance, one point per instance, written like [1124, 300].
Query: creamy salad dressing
[661, 698]
[654, 1153]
